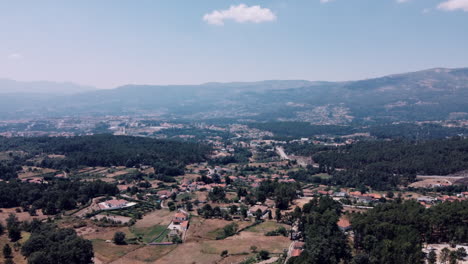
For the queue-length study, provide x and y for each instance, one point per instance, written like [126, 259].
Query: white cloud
[402, 1]
[450, 5]
[325, 1]
[241, 14]
[15, 56]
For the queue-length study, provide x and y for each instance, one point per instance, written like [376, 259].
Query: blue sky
[108, 43]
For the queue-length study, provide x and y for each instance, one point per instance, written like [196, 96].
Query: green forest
[53, 197]
[102, 150]
[385, 164]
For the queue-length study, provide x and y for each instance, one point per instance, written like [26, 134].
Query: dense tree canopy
[394, 232]
[50, 245]
[385, 164]
[54, 196]
[107, 150]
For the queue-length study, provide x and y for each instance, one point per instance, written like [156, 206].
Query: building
[114, 204]
[253, 210]
[344, 223]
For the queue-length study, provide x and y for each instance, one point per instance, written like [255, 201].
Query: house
[297, 249]
[308, 193]
[426, 199]
[113, 204]
[363, 199]
[184, 225]
[340, 195]
[164, 194]
[253, 210]
[344, 223]
[180, 217]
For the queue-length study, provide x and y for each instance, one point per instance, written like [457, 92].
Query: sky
[108, 43]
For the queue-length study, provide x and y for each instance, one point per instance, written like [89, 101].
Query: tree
[432, 257]
[227, 180]
[189, 206]
[253, 248]
[258, 215]
[390, 194]
[444, 255]
[230, 230]
[176, 239]
[233, 209]
[224, 253]
[453, 258]
[263, 255]
[7, 251]
[278, 215]
[172, 207]
[2, 229]
[119, 238]
[243, 211]
[461, 253]
[173, 196]
[14, 233]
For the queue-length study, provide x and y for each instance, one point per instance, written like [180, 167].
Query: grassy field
[265, 227]
[146, 254]
[148, 234]
[323, 175]
[108, 252]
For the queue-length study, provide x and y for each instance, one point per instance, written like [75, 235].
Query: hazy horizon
[107, 44]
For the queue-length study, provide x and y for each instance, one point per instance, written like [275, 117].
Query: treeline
[385, 164]
[53, 197]
[107, 150]
[408, 131]
[415, 132]
[395, 232]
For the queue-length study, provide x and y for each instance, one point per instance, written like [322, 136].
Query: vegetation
[48, 244]
[119, 238]
[324, 241]
[53, 197]
[386, 164]
[394, 232]
[108, 150]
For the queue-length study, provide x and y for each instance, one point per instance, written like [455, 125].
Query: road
[290, 249]
[281, 152]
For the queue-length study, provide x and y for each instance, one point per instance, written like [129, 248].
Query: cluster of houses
[356, 195]
[428, 201]
[366, 198]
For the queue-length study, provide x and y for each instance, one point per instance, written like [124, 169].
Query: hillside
[435, 94]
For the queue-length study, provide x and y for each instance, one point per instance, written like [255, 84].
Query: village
[214, 213]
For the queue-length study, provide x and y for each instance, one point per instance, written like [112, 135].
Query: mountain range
[434, 94]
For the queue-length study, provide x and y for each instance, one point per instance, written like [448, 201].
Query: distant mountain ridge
[42, 87]
[434, 94]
